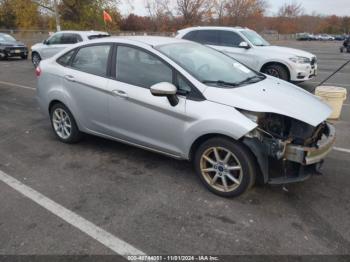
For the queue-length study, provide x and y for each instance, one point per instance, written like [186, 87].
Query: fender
[231, 122]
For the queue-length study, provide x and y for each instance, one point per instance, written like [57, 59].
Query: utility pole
[58, 25]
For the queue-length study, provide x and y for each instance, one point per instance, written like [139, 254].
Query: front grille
[21, 48]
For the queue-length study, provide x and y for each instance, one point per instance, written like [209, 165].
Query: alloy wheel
[36, 60]
[273, 72]
[62, 123]
[221, 169]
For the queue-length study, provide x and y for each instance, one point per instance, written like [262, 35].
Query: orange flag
[107, 17]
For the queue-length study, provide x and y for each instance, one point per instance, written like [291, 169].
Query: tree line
[167, 16]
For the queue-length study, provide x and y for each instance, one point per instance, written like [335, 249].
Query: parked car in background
[251, 49]
[10, 47]
[340, 37]
[190, 102]
[305, 37]
[326, 37]
[61, 40]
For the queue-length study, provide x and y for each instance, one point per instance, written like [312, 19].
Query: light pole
[58, 26]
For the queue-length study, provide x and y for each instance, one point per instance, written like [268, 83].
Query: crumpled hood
[273, 96]
[286, 51]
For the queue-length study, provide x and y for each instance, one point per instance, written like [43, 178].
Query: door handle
[120, 93]
[69, 78]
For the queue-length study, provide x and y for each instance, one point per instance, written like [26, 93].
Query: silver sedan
[187, 101]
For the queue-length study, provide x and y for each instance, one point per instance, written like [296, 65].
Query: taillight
[38, 71]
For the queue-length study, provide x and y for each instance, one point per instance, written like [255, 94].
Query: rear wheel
[225, 167]
[36, 59]
[64, 125]
[276, 70]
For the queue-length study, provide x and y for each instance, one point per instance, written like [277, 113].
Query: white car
[251, 49]
[326, 37]
[61, 40]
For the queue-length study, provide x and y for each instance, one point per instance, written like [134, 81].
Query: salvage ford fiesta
[187, 101]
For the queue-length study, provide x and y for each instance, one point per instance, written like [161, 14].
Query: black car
[10, 47]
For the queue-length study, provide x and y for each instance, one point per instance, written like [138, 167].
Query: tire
[36, 59]
[276, 71]
[24, 57]
[213, 173]
[65, 130]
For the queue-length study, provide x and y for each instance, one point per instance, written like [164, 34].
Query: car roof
[153, 40]
[227, 28]
[87, 33]
[147, 40]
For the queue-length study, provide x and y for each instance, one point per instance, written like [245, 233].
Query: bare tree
[291, 10]
[239, 11]
[193, 11]
[219, 7]
[159, 12]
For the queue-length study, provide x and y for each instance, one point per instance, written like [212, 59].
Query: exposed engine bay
[286, 128]
[286, 147]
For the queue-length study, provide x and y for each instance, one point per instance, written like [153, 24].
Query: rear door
[136, 115]
[86, 83]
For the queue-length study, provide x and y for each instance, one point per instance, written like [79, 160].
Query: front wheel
[276, 71]
[36, 59]
[225, 167]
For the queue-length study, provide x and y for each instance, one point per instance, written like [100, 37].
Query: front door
[229, 44]
[136, 115]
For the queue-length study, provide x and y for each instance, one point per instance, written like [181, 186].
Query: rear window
[92, 59]
[65, 59]
[91, 37]
[206, 37]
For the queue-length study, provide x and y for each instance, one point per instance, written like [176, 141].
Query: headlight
[300, 60]
[253, 116]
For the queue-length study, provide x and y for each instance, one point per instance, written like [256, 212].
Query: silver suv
[248, 47]
[61, 40]
[187, 101]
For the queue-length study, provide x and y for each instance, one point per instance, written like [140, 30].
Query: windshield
[208, 65]
[6, 38]
[255, 38]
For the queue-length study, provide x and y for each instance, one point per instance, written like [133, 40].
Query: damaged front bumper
[283, 162]
[312, 155]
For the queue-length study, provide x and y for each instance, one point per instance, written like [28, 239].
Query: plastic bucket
[334, 96]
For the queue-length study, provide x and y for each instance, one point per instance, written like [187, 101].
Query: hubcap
[62, 123]
[36, 60]
[221, 169]
[273, 72]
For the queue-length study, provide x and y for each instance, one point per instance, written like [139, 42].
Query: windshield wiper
[252, 79]
[219, 83]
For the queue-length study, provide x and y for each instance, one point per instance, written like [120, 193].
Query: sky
[324, 7]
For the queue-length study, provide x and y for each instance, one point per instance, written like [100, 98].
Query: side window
[182, 85]
[208, 37]
[228, 38]
[140, 68]
[55, 39]
[64, 60]
[70, 39]
[192, 36]
[92, 59]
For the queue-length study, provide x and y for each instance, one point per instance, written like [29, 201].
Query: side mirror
[166, 89]
[244, 45]
[46, 42]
